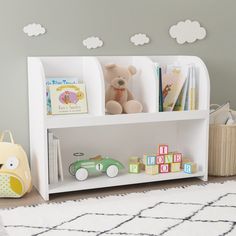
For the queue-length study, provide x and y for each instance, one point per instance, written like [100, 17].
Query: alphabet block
[175, 167]
[185, 160]
[164, 168]
[190, 168]
[177, 157]
[169, 158]
[149, 160]
[152, 170]
[134, 168]
[163, 149]
[160, 159]
[133, 159]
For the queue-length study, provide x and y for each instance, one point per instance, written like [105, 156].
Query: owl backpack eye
[12, 163]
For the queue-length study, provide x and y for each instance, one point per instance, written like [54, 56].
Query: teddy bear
[118, 97]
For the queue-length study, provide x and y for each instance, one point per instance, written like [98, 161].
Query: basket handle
[10, 135]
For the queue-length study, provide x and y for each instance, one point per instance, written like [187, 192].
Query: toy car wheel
[81, 174]
[72, 169]
[112, 171]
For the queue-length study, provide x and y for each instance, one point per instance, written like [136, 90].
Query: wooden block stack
[163, 162]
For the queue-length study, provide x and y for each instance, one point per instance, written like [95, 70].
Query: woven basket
[222, 150]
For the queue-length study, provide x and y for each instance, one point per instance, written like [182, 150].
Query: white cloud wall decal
[140, 39]
[187, 31]
[34, 29]
[92, 42]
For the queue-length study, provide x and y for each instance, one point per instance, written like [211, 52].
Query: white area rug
[205, 210]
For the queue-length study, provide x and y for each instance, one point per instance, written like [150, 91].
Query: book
[68, 98]
[55, 167]
[190, 103]
[50, 158]
[159, 88]
[59, 158]
[57, 81]
[183, 99]
[55, 161]
[173, 81]
[192, 89]
[180, 103]
[160, 91]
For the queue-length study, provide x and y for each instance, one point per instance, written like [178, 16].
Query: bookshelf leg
[204, 178]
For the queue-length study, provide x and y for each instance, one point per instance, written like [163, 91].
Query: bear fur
[118, 97]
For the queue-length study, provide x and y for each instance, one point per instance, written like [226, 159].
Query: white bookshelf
[117, 136]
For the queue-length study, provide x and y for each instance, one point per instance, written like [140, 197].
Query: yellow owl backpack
[15, 177]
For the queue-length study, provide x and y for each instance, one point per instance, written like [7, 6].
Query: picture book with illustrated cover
[181, 101]
[172, 84]
[68, 98]
[57, 81]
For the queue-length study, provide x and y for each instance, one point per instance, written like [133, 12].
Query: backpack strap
[3, 135]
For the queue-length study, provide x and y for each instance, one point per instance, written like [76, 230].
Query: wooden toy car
[81, 169]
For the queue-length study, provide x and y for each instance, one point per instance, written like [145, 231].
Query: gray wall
[68, 22]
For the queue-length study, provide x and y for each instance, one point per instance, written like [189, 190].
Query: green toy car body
[81, 169]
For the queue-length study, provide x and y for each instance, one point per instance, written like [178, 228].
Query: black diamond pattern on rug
[152, 221]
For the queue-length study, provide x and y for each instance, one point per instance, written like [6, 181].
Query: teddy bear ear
[110, 66]
[132, 70]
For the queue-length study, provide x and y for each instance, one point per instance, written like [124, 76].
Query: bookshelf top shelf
[82, 120]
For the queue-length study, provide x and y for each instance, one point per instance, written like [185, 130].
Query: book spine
[55, 161]
[160, 90]
[193, 90]
[188, 97]
[60, 166]
[50, 157]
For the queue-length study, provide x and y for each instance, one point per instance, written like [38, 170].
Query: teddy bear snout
[121, 82]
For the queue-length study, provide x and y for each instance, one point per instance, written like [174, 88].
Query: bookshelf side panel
[203, 85]
[95, 89]
[146, 84]
[193, 138]
[38, 132]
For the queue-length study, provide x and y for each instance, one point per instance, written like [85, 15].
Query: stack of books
[177, 87]
[55, 168]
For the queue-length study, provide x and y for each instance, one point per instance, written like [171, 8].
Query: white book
[50, 157]
[193, 89]
[190, 103]
[59, 158]
[55, 160]
[188, 99]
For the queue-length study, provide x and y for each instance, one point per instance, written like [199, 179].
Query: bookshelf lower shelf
[71, 184]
